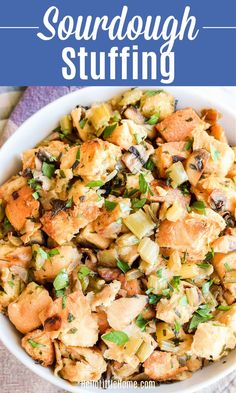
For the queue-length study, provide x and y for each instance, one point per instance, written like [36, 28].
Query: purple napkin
[33, 99]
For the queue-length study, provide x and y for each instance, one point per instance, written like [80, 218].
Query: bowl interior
[37, 128]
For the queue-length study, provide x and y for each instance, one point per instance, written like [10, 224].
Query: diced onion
[174, 263]
[189, 270]
[132, 346]
[175, 212]
[144, 351]
[177, 174]
[168, 346]
[107, 258]
[133, 274]
[164, 332]
[139, 224]
[148, 250]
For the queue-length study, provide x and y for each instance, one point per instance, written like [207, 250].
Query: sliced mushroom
[196, 164]
[134, 114]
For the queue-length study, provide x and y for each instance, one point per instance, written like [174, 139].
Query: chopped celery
[139, 224]
[148, 250]
[177, 174]
[66, 124]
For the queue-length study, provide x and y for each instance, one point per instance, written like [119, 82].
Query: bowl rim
[11, 347]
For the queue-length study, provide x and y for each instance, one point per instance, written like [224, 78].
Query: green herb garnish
[48, 169]
[70, 317]
[11, 283]
[123, 266]
[78, 154]
[138, 138]
[153, 299]
[42, 253]
[34, 344]
[175, 282]
[53, 252]
[228, 267]
[95, 183]
[206, 287]
[109, 205]
[64, 301]
[69, 203]
[141, 322]
[159, 273]
[224, 308]
[201, 315]
[199, 206]
[151, 93]
[153, 119]
[209, 256]
[143, 185]
[149, 165]
[82, 123]
[109, 130]
[117, 337]
[177, 327]
[188, 144]
[62, 280]
[35, 195]
[138, 203]
[215, 154]
[83, 272]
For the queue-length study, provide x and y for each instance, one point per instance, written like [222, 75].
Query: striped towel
[28, 101]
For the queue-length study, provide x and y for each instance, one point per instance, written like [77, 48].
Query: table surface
[14, 377]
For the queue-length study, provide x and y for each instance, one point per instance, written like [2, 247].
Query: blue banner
[74, 42]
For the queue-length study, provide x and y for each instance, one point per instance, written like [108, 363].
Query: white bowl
[37, 128]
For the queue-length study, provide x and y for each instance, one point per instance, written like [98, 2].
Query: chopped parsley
[201, 315]
[174, 283]
[82, 123]
[109, 130]
[83, 272]
[188, 144]
[215, 154]
[62, 280]
[95, 183]
[35, 195]
[64, 301]
[34, 344]
[199, 206]
[177, 327]
[110, 205]
[123, 266]
[153, 119]
[224, 308]
[48, 169]
[209, 256]
[206, 287]
[138, 203]
[70, 317]
[69, 203]
[117, 337]
[151, 93]
[141, 322]
[149, 165]
[143, 185]
[228, 267]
